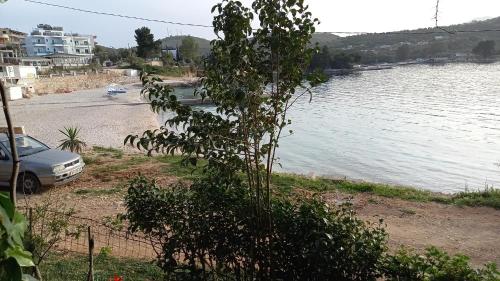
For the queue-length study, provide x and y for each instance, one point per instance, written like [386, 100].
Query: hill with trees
[447, 41]
[176, 41]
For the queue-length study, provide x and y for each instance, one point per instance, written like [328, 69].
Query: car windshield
[26, 146]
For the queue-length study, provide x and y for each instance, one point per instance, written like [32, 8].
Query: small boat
[114, 89]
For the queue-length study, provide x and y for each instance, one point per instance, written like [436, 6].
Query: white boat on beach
[114, 89]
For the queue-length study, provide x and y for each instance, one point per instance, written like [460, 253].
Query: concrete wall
[25, 72]
[73, 83]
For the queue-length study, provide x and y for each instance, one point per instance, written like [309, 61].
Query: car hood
[52, 157]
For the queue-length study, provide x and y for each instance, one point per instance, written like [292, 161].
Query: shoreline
[106, 121]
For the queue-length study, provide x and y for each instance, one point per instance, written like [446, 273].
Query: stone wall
[66, 84]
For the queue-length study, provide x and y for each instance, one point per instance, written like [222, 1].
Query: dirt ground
[474, 231]
[471, 231]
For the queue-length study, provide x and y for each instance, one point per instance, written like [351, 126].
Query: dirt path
[471, 231]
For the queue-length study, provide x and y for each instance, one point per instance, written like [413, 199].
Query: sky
[335, 15]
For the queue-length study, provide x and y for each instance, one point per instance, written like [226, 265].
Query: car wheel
[28, 183]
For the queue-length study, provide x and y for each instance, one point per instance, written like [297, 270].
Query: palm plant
[72, 141]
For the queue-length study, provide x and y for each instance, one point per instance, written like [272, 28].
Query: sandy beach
[104, 120]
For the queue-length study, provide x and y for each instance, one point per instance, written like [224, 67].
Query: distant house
[173, 51]
[12, 40]
[46, 40]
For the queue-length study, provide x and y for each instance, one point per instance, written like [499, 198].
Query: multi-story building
[12, 38]
[11, 44]
[46, 40]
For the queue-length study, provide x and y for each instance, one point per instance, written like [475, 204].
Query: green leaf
[10, 270]
[27, 277]
[6, 204]
[22, 257]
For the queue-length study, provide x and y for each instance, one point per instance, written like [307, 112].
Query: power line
[440, 31]
[116, 15]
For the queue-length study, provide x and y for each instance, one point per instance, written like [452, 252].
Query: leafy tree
[485, 49]
[146, 45]
[168, 59]
[403, 52]
[189, 49]
[253, 78]
[72, 141]
[321, 59]
[101, 53]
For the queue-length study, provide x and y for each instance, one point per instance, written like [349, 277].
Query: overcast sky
[335, 15]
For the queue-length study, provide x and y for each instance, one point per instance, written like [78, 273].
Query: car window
[26, 146]
[3, 155]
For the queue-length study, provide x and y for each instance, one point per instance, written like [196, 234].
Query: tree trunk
[12, 141]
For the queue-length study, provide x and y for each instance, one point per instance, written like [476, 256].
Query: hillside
[431, 42]
[324, 38]
[174, 41]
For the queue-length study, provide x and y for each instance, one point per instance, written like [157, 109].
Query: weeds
[111, 152]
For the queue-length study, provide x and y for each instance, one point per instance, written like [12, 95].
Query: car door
[5, 166]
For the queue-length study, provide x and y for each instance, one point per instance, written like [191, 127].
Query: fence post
[30, 216]
[91, 256]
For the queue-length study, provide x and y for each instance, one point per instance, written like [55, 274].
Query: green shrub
[436, 265]
[209, 223]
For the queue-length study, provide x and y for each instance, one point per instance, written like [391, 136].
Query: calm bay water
[432, 127]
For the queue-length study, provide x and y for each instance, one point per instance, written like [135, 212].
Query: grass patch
[287, 182]
[122, 166]
[108, 151]
[99, 192]
[176, 168]
[489, 197]
[90, 160]
[58, 267]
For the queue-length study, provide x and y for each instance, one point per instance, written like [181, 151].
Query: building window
[53, 42]
[86, 51]
[78, 50]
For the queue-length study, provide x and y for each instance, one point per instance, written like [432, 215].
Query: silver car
[40, 165]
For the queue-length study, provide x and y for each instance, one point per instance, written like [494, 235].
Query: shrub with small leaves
[209, 226]
[436, 265]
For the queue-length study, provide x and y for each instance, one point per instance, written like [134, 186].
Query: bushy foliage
[227, 225]
[210, 226]
[436, 265]
[13, 256]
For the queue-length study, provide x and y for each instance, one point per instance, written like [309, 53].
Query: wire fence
[80, 231]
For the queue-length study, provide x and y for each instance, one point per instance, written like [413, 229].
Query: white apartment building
[46, 40]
